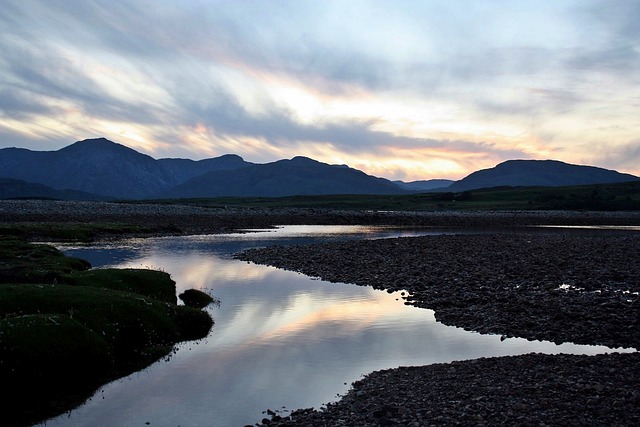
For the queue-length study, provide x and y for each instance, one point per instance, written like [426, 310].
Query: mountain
[104, 167]
[545, 173]
[107, 169]
[297, 176]
[17, 189]
[428, 185]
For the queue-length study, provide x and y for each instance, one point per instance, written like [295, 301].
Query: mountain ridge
[107, 168]
[297, 176]
[542, 173]
[111, 170]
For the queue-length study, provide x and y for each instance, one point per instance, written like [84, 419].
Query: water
[280, 339]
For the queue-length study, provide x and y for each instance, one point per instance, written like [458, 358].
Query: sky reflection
[280, 339]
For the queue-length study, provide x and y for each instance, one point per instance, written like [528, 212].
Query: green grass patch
[128, 322]
[150, 283]
[605, 197]
[76, 232]
[22, 262]
[65, 328]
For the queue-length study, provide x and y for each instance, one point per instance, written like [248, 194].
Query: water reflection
[280, 338]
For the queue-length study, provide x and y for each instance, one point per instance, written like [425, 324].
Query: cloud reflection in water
[280, 338]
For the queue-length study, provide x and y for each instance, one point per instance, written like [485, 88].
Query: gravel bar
[556, 286]
[527, 390]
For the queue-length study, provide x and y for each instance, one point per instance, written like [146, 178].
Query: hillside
[104, 167]
[18, 189]
[298, 176]
[541, 173]
[425, 185]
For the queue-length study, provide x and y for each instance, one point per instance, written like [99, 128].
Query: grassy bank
[78, 232]
[66, 329]
[601, 197]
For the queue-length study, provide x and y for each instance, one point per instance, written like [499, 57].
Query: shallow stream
[281, 340]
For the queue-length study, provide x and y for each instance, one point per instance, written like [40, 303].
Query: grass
[607, 197]
[65, 328]
[22, 262]
[148, 283]
[78, 232]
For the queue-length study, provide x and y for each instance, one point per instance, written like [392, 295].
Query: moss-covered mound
[196, 298]
[22, 262]
[66, 329]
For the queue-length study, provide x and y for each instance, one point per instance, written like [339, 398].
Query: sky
[405, 89]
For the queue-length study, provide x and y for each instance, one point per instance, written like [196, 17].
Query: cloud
[464, 84]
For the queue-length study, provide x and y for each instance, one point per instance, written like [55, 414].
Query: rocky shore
[194, 218]
[554, 286]
[557, 287]
[527, 390]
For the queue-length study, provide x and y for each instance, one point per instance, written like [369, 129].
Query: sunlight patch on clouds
[203, 141]
[411, 168]
[122, 82]
[46, 126]
[128, 133]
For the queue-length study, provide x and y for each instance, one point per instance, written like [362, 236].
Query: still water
[281, 340]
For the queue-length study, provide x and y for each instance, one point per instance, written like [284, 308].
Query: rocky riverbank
[193, 218]
[528, 390]
[553, 286]
[557, 287]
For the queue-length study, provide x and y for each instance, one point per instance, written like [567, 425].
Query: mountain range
[101, 169]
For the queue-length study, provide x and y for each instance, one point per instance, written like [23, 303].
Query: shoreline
[193, 219]
[556, 287]
[548, 286]
[528, 390]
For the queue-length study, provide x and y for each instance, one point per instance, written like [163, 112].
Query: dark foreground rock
[528, 390]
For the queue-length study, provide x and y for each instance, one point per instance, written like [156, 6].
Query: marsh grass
[65, 328]
[75, 232]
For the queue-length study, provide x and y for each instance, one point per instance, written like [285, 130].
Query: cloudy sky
[400, 89]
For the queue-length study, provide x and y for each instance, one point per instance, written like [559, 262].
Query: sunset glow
[417, 90]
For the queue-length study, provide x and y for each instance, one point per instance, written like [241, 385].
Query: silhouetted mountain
[545, 173]
[431, 184]
[18, 189]
[181, 170]
[104, 167]
[298, 176]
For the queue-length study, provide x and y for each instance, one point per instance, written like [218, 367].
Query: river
[281, 340]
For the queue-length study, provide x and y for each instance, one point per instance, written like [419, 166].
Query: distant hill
[18, 189]
[543, 173]
[426, 185]
[298, 176]
[104, 167]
